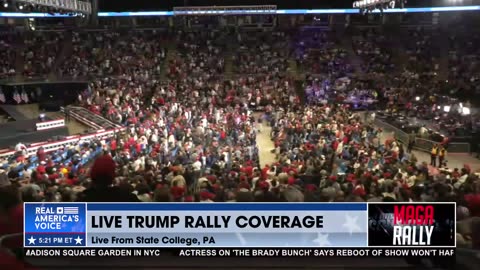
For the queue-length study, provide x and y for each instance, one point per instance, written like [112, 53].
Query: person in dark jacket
[102, 175]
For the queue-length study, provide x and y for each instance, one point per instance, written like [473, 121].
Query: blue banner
[196, 225]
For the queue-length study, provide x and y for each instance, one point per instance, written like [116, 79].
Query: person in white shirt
[154, 137]
[20, 147]
[197, 165]
[171, 139]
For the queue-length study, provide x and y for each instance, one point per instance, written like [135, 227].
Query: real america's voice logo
[54, 225]
[54, 218]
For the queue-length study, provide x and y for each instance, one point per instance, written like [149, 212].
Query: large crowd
[40, 53]
[191, 137]
[8, 40]
[110, 53]
[374, 48]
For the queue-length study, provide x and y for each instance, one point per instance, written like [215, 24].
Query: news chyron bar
[239, 229]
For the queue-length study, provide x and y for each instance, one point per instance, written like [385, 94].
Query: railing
[422, 144]
[44, 79]
[50, 124]
[61, 79]
[397, 133]
[453, 147]
[70, 140]
[90, 119]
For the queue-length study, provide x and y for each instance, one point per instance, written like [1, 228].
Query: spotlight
[5, 5]
[31, 24]
[20, 6]
[417, 98]
[465, 111]
[446, 108]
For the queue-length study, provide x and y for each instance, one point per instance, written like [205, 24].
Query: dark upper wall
[137, 5]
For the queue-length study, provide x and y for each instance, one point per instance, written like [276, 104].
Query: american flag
[24, 96]
[17, 97]
[70, 210]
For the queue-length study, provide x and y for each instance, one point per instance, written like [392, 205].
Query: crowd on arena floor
[193, 137]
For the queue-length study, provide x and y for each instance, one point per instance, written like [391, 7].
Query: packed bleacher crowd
[110, 53]
[271, 53]
[40, 52]
[7, 53]
[200, 54]
[319, 52]
[373, 47]
[422, 50]
[193, 136]
[464, 62]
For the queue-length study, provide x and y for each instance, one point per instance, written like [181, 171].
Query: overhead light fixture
[446, 108]
[417, 98]
[5, 4]
[69, 5]
[365, 6]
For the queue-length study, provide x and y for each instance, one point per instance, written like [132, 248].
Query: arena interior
[322, 107]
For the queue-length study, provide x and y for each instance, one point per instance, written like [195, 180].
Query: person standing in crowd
[41, 155]
[102, 175]
[441, 156]
[411, 143]
[433, 155]
[67, 114]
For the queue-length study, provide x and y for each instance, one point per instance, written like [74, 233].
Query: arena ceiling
[157, 5]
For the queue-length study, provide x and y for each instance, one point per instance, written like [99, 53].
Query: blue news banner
[217, 229]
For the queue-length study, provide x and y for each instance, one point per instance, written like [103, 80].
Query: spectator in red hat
[102, 174]
[206, 196]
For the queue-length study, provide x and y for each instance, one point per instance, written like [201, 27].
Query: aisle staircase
[293, 69]
[346, 43]
[19, 57]
[228, 56]
[229, 66]
[171, 53]
[298, 84]
[67, 49]
[400, 56]
[442, 41]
